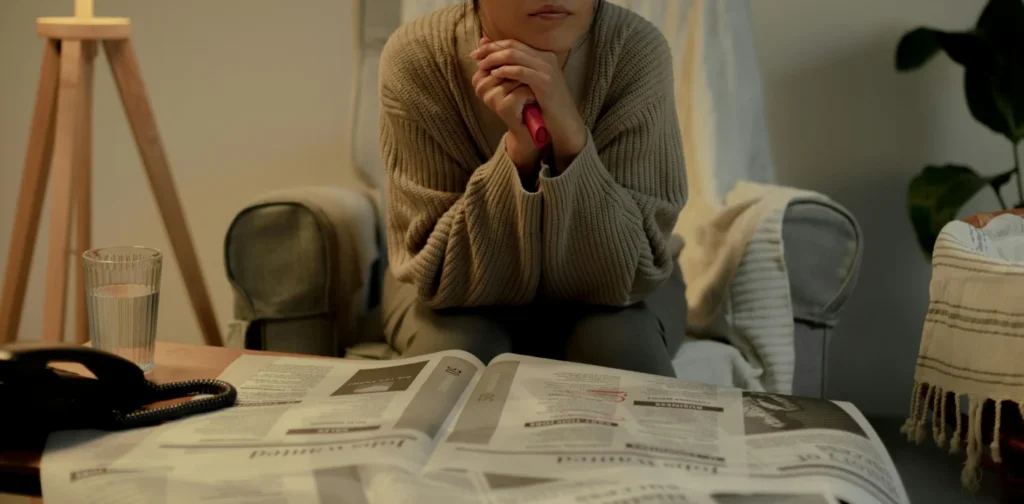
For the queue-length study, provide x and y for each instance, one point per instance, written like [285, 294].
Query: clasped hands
[511, 75]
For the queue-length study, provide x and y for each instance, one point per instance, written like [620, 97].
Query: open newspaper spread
[445, 428]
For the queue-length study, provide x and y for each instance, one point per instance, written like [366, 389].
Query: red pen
[535, 124]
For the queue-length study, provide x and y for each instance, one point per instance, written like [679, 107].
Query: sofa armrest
[823, 248]
[806, 248]
[305, 266]
[823, 253]
[811, 344]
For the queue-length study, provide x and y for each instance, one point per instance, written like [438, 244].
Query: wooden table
[19, 468]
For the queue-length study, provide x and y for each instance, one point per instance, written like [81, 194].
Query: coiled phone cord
[223, 395]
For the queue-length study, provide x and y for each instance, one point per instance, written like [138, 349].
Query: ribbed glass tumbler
[122, 286]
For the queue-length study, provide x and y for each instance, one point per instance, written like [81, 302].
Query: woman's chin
[550, 42]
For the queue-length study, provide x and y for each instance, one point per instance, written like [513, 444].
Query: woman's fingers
[480, 74]
[506, 98]
[487, 47]
[533, 78]
[512, 56]
[508, 70]
[511, 106]
[494, 96]
[509, 86]
[484, 81]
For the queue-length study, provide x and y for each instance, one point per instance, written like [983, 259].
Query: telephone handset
[38, 399]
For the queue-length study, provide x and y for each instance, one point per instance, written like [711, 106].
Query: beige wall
[253, 95]
[843, 122]
[250, 96]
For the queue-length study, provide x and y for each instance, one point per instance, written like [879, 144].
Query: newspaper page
[297, 425]
[537, 418]
[522, 430]
[387, 485]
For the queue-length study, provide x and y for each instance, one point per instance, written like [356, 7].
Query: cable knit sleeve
[464, 234]
[608, 215]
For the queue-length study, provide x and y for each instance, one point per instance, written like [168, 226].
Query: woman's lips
[551, 12]
[551, 16]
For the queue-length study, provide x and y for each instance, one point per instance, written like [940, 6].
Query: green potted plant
[992, 54]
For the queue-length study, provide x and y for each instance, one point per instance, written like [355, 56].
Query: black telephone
[36, 399]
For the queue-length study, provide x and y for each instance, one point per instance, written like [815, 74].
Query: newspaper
[445, 428]
[535, 418]
[295, 421]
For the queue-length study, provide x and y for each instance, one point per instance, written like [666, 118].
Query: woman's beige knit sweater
[462, 228]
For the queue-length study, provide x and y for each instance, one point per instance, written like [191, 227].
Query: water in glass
[122, 286]
[123, 320]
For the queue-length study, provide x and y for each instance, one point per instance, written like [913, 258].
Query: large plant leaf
[992, 55]
[980, 88]
[1002, 23]
[919, 45]
[997, 99]
[1010, 99]
[1001, 27]
[1008, 94]
[936, 195]
[915, 49]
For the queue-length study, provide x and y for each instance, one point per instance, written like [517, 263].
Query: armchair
[306, 263]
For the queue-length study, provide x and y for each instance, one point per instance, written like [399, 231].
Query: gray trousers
[642, 337]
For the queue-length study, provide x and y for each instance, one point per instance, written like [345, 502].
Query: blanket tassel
[921, 430]
[994, 445]
[915, 400]
[970, 477]
[928, 399]
[939, 418]
[954, 441]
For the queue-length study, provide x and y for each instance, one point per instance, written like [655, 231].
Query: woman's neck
[562, 56]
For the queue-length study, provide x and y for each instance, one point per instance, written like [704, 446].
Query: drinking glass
[122, 286]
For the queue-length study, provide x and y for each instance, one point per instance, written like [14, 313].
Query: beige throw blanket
[972, 344]
[737, 285]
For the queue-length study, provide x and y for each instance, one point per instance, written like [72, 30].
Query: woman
[496, 246]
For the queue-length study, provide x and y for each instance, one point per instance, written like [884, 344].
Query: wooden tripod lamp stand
[61, 132]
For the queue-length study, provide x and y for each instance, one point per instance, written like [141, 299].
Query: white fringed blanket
[972, 345]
